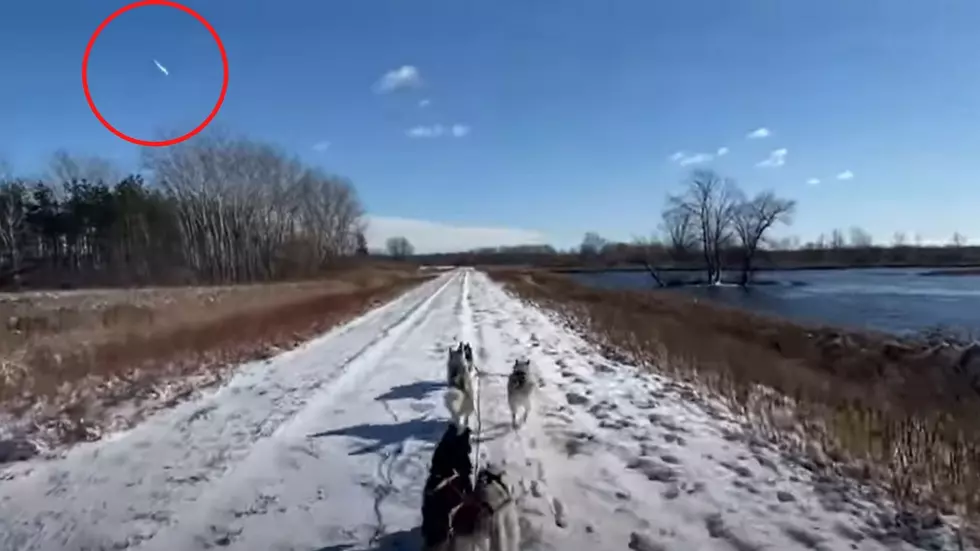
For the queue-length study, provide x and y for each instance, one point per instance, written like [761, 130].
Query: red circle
[224, 62]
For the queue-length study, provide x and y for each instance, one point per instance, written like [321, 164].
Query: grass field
[72, 360]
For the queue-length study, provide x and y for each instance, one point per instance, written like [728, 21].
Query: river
[895, 300]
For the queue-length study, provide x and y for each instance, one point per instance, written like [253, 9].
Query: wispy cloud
[846, 175]
[406, 76]
[161, 67]
[776, 158]
[696, 159]
[320, 147]
[425, 102]
[722, 151]
[433, 237]
[758, 133]
[437, 130]
[813, 181]
[423, 131]
[684, 159]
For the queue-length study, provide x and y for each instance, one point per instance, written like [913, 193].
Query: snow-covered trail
[326, 447]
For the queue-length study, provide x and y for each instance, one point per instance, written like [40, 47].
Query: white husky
[460, 399]
[520, 386]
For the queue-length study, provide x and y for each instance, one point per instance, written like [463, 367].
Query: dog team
[458, 514]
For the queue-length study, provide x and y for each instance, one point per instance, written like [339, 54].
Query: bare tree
[710, 201]
[677, 224]
[399, 247]
[13, 214]
[247, 211]
[65, 168]
[958, 240]
[837, 240]
[860, 238]
[592, 244]
[752, 219]
[899, 239]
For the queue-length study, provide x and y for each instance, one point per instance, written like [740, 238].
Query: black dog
[446, 505]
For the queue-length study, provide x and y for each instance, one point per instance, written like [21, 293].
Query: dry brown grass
[890, 408]
[67, 355]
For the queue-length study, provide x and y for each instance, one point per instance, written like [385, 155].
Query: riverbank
[899, 413]
[933, 270]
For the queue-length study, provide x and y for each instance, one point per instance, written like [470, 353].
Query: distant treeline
[714, 227]
[619, 255]
[217, 209]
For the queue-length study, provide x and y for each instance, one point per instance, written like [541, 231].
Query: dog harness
[469, 506]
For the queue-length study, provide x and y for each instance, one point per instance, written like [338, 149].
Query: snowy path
[326, 447]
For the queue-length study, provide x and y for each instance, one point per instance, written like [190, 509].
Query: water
[895, 300]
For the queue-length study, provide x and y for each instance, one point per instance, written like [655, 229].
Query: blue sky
[572, 109]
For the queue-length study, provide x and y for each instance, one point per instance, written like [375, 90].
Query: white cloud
[696, 158]
[722, 151]
[438, 131]
[320, 147]
[433, 237]
[676, 157]
[813, 181]
[776, 158]
[425, 102]
[432, 131]
[758, 133]
[846, 175]
[406, 76]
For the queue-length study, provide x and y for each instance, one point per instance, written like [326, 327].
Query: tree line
[214, 209]
[710, 224]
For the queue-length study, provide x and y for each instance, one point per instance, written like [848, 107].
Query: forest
[219, 209]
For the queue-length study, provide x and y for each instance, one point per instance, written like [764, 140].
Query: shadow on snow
[403, 540]
[427, 430]
[412, 391]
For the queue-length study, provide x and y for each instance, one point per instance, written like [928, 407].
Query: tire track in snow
[222, 497]
[120, 492]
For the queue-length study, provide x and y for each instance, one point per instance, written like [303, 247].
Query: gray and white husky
[460, 398]
[520, 386]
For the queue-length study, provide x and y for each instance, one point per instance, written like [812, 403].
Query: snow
[326, 447]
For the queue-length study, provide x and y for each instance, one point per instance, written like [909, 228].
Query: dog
[520, 386]
[456, 516]
[460, 396]
[460, 362]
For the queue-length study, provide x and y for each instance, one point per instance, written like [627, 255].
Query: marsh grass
[69, 357]
[889, 411]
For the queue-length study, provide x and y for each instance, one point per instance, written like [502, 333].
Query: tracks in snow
[327, 447]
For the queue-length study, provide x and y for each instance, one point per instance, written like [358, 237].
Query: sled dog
[520, 386]
[459, 398]
[456, 516]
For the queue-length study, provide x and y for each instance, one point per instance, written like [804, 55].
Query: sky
[469, 124]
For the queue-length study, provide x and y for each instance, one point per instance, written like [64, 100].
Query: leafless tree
[958, 240]
[247, 211]
[65, 168]
[677, 224]
[710, 201]
[592, 244]
[399, 247]
[860, 238]
[899, 239]
[751, 221]
[837, 240]
[13, 212]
